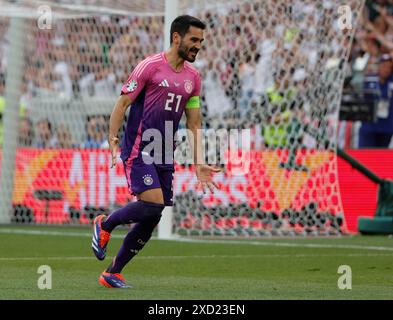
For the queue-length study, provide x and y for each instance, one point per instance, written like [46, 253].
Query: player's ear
[176, 38]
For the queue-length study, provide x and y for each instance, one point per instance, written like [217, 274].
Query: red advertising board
[85, 179]
[358, 193]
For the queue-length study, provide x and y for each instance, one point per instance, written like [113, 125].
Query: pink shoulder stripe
[191, 68]
[141, 67]
[146, 65]
[143, 62]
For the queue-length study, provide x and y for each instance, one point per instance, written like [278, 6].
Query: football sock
[131, 213]
[132, 244]
[138, 236]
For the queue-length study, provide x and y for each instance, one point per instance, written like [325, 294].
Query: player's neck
[174, 60]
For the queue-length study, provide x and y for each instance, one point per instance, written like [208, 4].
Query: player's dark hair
[182, 23]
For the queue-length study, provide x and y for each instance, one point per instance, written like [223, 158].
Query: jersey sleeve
[136, 81]
[194, 101]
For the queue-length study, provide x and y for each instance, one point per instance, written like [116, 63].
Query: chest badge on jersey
[188, 86]
[132, 86]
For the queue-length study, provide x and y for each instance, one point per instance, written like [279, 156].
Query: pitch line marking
[287, 244]
[179, 239]
[53, 233]
[204, 257]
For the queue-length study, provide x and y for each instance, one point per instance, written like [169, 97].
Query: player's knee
[152, 213]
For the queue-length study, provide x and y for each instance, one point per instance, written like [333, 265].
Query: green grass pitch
[285, 268]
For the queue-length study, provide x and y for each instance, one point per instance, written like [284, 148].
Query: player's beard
[183, 52]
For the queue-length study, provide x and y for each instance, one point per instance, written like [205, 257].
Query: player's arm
[118, 114]
[129, 93]
[115, 121]
[193, 124]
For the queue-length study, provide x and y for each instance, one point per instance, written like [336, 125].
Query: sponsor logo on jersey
[147, 179]
[132, 86]
[188, 86]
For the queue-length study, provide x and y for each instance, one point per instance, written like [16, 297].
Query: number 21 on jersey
[170, 101]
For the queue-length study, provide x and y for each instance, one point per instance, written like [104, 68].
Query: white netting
[72, 75]
[70, 9]
[276, 67]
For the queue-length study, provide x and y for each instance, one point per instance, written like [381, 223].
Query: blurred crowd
[276, 74]
[371, 72]
[78, 59]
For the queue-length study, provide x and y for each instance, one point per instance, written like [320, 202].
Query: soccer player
[159, 90]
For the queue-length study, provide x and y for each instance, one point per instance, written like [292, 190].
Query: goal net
[276, 68]
[272, 72]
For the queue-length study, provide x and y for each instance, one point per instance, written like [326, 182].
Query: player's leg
[134, 211]
[150, 205]
[144, 213]
[149, 215]
[140, 178]
[165, 174]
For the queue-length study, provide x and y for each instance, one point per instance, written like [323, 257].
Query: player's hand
[113, 147]
[204, 175]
